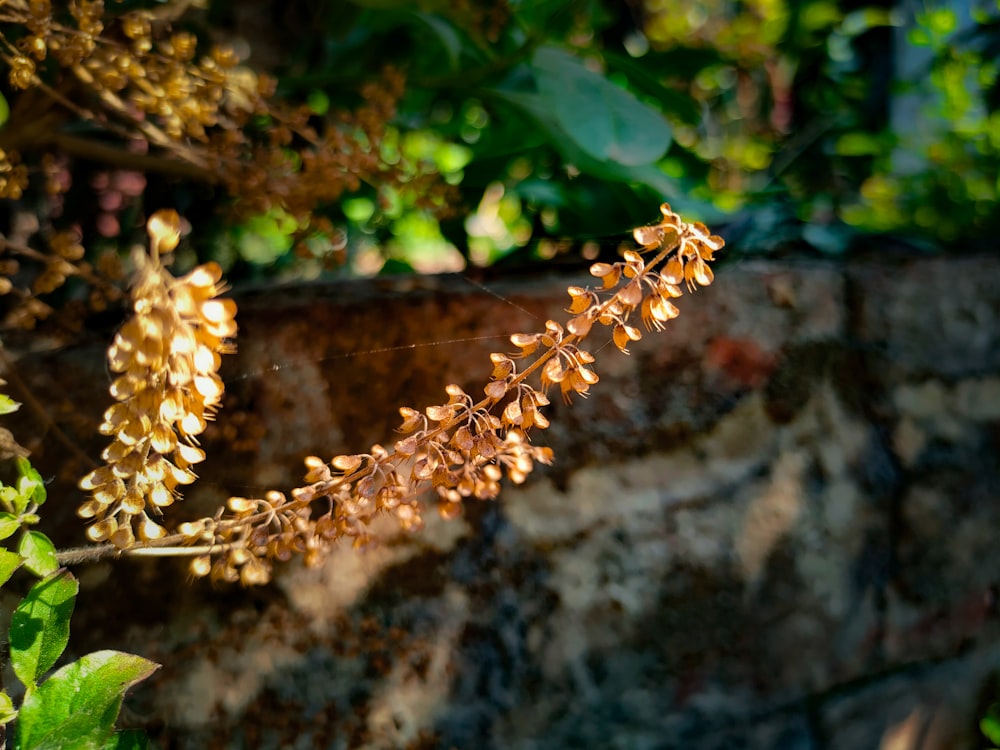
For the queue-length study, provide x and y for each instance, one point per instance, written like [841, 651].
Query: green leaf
[989, 725]
[30, 485]
[9, 562]
[129, 739]
[606, 121]
[7, 404]
[4, 116]
[646, 174]
[77, 706]
[445, 33]
[318, 102]
[39, 628]
[941, 21]
[38, 552]
[679, 105]
[9, 523]
[7, 710]
[860, 144]
[265, 238]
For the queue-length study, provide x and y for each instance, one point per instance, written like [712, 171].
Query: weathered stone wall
[773, 525]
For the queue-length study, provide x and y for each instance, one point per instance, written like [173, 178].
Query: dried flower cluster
[176, 104]
[141, 77]
[45, 272]
[458, 450]
[167, 358]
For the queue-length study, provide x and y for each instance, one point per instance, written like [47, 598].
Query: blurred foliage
[511, 130]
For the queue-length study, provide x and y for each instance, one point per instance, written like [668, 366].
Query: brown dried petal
[462, 438]
[702, 272]
[553, 371]
[407, 446]
[512, 413]
[411, 419]
[346, 463]
[503, 366]
[526, 342]
[582, 299]
[673, 272]
[438, 413]
[496, 389]
[580, 325]
[631, 294]
[649, 237]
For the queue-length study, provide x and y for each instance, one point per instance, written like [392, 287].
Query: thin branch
[87, 148]
[97, 553]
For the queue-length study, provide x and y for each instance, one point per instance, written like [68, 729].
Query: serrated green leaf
[7, 404]
[606, 121]
[7, 710]
[39, 628]
[9, 562]
[30, 484]
[77, 706]
[38, 552]
[9, 524]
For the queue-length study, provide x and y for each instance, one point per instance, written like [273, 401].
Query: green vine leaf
[77, 706]
[606, 121]
[7, 404]
[30, 486]
[38, 552]
[39, 628]
[7, 710]
[9, 524]
[9, 562]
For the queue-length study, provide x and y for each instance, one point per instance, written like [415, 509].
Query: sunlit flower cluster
[166, 357]
[462, 448]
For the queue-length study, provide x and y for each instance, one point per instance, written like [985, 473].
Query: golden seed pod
[190, 454]
[201, 566]
[164, 229]
[160, 496]
[123, 538]
[149, 529]
[254, 573]
[242, 505]
[89, 509]
[102, 530]
[133, 503]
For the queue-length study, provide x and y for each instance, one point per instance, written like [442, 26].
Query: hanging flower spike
[167, 358]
